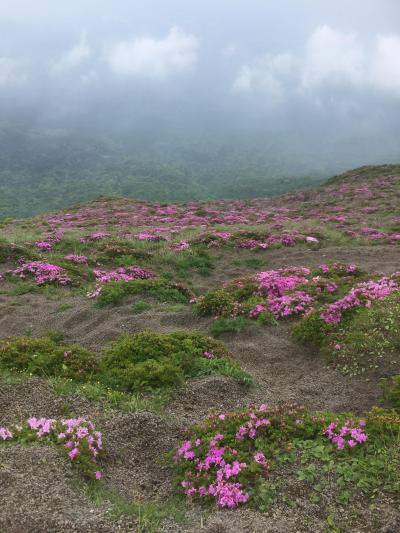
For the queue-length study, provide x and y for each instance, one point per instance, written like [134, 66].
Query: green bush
[289, 448]
[149, 360]
[12, 252]
[140, 307]
[114, 292]
[44, 357]
[366, 338]
[184, 263]
[229, 325]
[391, 391]
[311, 329]
[168, 295]
[216, 302]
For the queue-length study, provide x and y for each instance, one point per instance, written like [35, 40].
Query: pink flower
[98, 474]
[73, 453]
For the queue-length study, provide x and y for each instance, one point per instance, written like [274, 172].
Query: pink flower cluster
[348, 435]
[252, 426]
[76, 258]
[94, 236]
[227, 493]
[51, 239]
[275, 283]
[180, 246]
[5, 433]
[42, 425]
[283, 239]
[214, 466]
[42, 272]
[122, 274]
[43, 245]
[290, 304]
[146, 236]
[77, 435]
[363, 294]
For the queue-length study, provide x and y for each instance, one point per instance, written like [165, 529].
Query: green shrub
[183, 263]
[44, 357]
[149, 360]
[391, 391]
[276, 448]
[125, 250]
[12, 252]
[140, 307]
[368, 339]
[229, 325]
[114, 292]
[216, 302]
[167, 295]
[311, 329]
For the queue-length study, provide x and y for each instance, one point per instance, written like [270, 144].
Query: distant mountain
[47, 169]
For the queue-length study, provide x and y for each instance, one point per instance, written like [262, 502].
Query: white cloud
[268, 75]
[154, 58]
[11, 72]
[332, 57]
[329, 58]
[385, 70]
[74, 57]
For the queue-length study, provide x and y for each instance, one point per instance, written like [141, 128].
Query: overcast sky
[202, 63]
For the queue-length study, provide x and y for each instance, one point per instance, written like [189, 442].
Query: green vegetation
[229, 325]
[291, 449]
[367, 338]
[44, 357]
[391, 391]
[59, 168]
[114, 292]
[150, 360]
[217, 302]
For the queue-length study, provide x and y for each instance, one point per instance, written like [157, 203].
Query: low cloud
[74, 57]
[385, 71]
[269, 75]
[329, 58]
[11, 72]
[332, 57]
[150, 58]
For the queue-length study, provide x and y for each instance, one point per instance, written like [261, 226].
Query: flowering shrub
[122, 274]
[235, 458]
[288, 305]
[42, 272]
[226, 456]
[43, 245]
[76, 258]
[180, 246]
[348, 435]
[362, 294]
[97, 235]
[78, 437]
[147, 236]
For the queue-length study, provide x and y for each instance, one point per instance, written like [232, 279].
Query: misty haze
[191, 100]
[199, 266]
